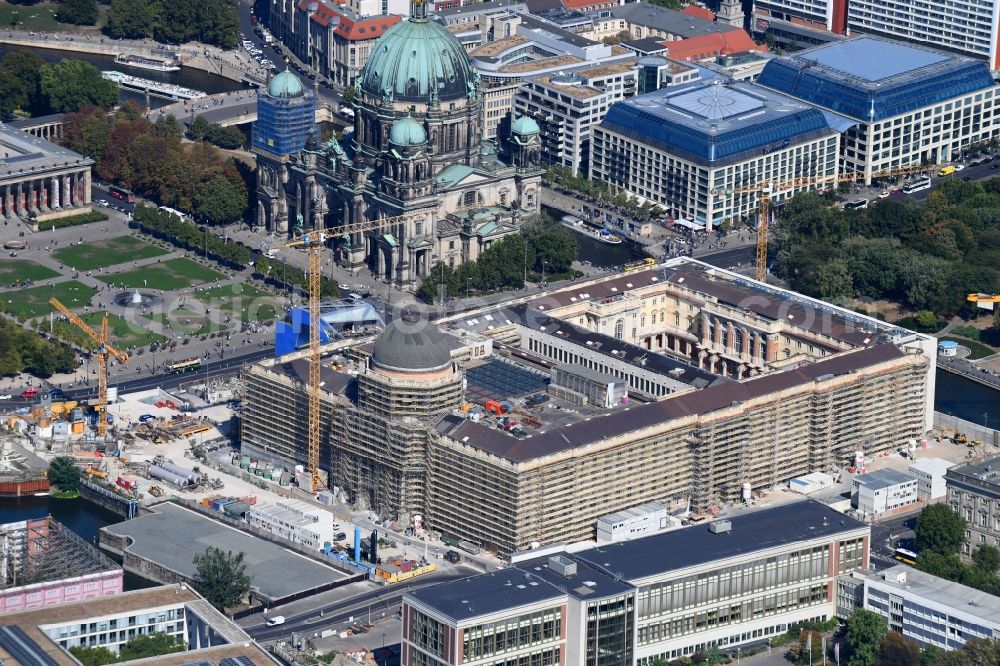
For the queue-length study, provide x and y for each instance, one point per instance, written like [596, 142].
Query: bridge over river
[232, 108]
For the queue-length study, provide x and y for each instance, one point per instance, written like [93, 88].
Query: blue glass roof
[870, 79]
[716, 123]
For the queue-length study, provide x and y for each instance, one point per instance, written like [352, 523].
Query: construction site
[42, 562]
[682, 384]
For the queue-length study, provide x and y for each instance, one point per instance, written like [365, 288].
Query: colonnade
[44, 194]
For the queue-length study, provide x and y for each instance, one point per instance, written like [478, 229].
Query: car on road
[959, 167]
[344, 287]
[340, 536]
[884, 194]
[57, 393]
[5, 396]
[29, 392]
[453, 556]
[276, 620]
[146, 417]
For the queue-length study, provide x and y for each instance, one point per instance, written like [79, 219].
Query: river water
[82, 516]
[195, 79]
[967, 400]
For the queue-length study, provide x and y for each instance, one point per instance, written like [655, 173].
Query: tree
[78, 12]
[93, 656]
[221, 577]
[167, 127]
[20, 83]
[178, 22]
[86, 131]
[987, 559]
[130, 19]
[350, 94]
[865, 630]
[198, 128]
[808, 649]
[220, 200]
[64, 474]
[894, 650]
[71, 85]
[150, 645]
[939, 530]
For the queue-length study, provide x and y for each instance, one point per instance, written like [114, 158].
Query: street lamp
[468, 288]
[525, 238]
[986, 416]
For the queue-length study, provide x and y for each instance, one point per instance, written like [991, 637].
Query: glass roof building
[692, 149]
[910, 104]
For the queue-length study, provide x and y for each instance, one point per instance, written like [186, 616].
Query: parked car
[5, 396]
[340, 536]
[29, 392]
[453, 556]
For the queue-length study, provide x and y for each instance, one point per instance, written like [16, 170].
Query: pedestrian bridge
[225, 109]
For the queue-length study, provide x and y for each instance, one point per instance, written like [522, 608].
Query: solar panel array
[498, 380]
[23, 648]
[237, 661]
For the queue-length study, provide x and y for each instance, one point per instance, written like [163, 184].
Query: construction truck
[961, 438]
[155, 491]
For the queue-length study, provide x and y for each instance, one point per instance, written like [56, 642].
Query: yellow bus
[639, 265]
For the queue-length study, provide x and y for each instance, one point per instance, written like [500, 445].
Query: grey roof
[884, 478]
[773, 527]
[590, 375]
[588, 583]
[646, 45]
[964, 599]
[573, 39]
[468, 598]
[629, 419]
[981, 477]
[23, 154]
[451, 15]
[668, 20]
[37, 121]
[173, 535]
[411, 344]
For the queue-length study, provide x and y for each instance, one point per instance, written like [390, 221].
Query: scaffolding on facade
[36, 551]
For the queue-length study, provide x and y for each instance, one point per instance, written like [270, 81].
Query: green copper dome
[285, 86]
[525, 125]
[417, 60]
[407, 132]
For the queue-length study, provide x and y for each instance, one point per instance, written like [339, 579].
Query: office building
[922, 608]
[962, 26]
[340, 38]
[884, 490]
[643, 19]
[731, 584]
[905, 105]
[930, 473]
[40, 180]
[567, 106]
[697, 149]
[732, 386]
[974, 494]
[43, 637]
[634, 523]
[293, 521]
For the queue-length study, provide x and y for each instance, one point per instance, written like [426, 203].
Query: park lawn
[108, 252]
[242, 302]
[19, 270]
[168, 276]
[40, 17]
[977, 350]
[186, 321]
[123, 333]
[34, 302]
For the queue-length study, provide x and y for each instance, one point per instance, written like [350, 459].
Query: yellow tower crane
[767, 189]
[313, 242]
[985, 301]
[103, 340]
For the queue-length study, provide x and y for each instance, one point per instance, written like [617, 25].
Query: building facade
[669, 595]
[974, 494]
[965, 26]
[930, 473]
[905, 106]
[921, 607]
[39, 180]
[699, 150]
[883, 490]
[567, 106]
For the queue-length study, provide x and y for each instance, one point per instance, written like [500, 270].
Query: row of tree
[151, 160]
[224, 137]
[542, 247]
[214, 22]
[599, 191]
[188, 236]
[140, 647]
[926, 256]
[24, 351]
[29, 85]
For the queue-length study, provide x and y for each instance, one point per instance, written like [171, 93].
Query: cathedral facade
[415, 182]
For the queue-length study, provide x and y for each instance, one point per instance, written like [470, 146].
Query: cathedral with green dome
[416, 158]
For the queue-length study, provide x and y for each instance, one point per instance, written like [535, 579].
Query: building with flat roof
[883, 490]
[643, 19]
[963, 26]
[43, 563]
[731, 584]
[922, 608]
[40, 180]
[930, 473]
[909, 105]
[693, 148]
[294, 521]
[277, 572]
[974, 494]
[42, 637]
[567, 106]
[636, 522]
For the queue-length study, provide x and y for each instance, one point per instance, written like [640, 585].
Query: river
[967, 400]
[82, 516]
[195, 79]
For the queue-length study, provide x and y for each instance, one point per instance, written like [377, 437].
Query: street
[889, 534]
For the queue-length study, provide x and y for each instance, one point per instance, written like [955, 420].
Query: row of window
[487, 639]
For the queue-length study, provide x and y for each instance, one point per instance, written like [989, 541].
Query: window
[470, 198]
[619, 329]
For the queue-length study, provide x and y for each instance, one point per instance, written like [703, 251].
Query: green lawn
[170, 275]
[107, 252]
[40, 17]
[123, 333]
[187, 321]
[19, 270]
[976, 349]
[241, 302]
[34, 302]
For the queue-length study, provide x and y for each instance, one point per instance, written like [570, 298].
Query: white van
[276, 620]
